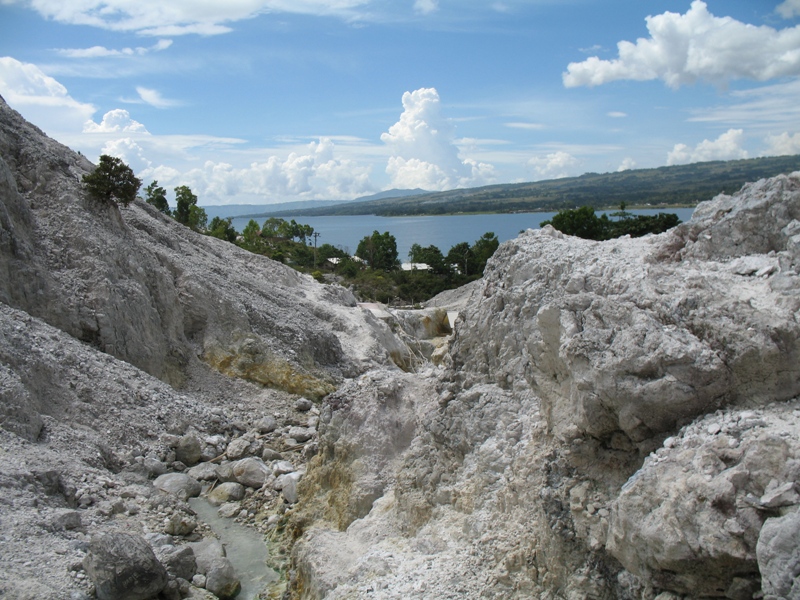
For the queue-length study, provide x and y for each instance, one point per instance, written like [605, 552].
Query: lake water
[444, 232]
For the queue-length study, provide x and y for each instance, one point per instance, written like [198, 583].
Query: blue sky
[262, 101]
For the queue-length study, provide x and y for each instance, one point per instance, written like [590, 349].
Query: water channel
[245, 548]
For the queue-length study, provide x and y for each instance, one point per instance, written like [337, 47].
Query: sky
[265, 101]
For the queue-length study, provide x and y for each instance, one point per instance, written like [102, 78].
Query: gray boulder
[189, 450]
[251, 472]
[178, 484]
[123, 567]
[230, 491]
[778, 553]
[178, 560]
[221, 579]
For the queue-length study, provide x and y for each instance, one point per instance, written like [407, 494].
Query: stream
[245, 548]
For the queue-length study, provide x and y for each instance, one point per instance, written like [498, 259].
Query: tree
[157, 196]
[461, 255]
[112, 181]
[197, 218]
[184, 200]
[272, 227]
[483, 249]
[251, 232]
[431, 256]
[222, 229]
[581, 222]
[379, 250]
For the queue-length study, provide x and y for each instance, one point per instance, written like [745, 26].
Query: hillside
[682, 185]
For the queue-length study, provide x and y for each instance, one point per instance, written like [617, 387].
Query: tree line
[373, 272]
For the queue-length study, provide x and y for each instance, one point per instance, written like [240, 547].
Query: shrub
[112, 181]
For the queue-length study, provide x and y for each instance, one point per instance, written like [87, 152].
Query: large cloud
[115, 121]
[555, 165]
[176, 17]
[683, 49]
[784, 144]
[40, 98]
[316, 173]
[727, 146]
[424, 152]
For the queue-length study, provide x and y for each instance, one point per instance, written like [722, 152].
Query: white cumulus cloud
[785, 144]
[627, 164]
[554, 165]
[40, 98]
[129, 152]
[683, 49]
[424, 152]
[315, 173]
[727, 146]
[115, 121]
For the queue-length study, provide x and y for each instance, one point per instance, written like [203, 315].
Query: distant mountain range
[258, 211]
[681, 185]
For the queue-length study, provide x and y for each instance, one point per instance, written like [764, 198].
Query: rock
[301, 434]
[289, 491]
[251, 472]
[67, 520]
[123, 567]
[204, 471]
[226, 492]
[179, 484]
[281, 467]
[188, 450]
[779, 557]
[238, 448]
[206, 552]
[266, 425]
[154, 467]
[303, 405]
[221, 579]
[178, 560]
[268, 455]
[225, 472]
[179, 525]
[783, 495]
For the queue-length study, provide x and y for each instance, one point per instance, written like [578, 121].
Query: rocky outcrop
[144, 289]
[618, 420]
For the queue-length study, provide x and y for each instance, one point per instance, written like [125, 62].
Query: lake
[444, 232]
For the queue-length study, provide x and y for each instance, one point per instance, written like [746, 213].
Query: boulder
[179, 484]
[778, 553]
[229, 491]
[123, 567]
[266, 425]
[251, 472]
[221, 579]
[238, 448]
[189, 450]
[303, 405]
[178, 560]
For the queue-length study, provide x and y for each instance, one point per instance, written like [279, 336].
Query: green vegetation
[682, 185]
[582, 222]
[112, 181]
[157, 196]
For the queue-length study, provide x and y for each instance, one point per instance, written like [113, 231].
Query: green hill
[682, 185]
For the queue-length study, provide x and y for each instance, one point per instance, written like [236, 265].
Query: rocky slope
[618, 420]
[609, 420]
[131, 347]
